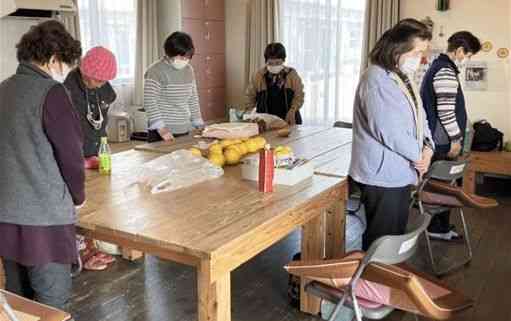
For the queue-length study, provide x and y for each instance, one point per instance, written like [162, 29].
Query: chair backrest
[447, 170]
[343, 124]
[394, 249]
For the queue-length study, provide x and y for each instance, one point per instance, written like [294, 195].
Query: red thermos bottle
[266, 170]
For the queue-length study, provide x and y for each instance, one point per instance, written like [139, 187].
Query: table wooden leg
[312, 249]
[469, 181]
[214, 302]
[334, 231]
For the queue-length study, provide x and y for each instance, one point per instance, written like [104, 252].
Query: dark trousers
[48, 284]
[386, 210]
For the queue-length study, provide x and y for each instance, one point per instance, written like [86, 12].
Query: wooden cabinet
[208, 36]
[215, 36]
[212, 103]
[215, 9]
[209, 70]
[204, 21]
[195, 28]
[203, 9]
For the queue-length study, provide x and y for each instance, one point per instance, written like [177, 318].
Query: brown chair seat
[443, 194]
[398, 286]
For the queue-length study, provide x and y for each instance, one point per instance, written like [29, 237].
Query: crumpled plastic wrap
[231, 130]
[177, 170]
[271, 122]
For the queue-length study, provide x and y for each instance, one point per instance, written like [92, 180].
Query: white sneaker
[449, 236]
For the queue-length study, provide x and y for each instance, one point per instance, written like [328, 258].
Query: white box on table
[283, 176]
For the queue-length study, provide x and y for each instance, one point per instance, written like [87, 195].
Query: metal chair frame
[386, 250]
[446, 171]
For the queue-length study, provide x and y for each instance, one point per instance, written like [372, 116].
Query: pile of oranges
[231, 151]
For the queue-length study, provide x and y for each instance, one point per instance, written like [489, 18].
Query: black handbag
[487, 138]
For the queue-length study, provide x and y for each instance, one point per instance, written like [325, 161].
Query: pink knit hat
[99, 63]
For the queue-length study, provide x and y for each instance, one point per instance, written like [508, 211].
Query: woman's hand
[165, 134]
[291, 117]
[422, 165]
[197, 131]
[455, 150]
[77, 207]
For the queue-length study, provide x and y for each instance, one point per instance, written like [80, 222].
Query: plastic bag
[272, 122]
[177, 170]
[231, 130]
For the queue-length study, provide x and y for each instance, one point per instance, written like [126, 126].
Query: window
[111, 24]
[323, 40]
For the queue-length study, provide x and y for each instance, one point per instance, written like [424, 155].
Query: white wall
[236, 26]
[489, 20]
[11, 30]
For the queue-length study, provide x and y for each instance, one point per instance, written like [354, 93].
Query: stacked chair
[377, 282]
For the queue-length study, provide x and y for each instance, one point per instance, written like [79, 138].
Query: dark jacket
[430, 103]
[103, 97]
[274, 100]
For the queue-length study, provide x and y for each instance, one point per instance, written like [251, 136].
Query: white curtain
[147, 47]
[323, 40]
[72, 22]
[263, 29]
[112, 24]
[380, 16]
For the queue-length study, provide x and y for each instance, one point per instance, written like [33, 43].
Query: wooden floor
[154, 290]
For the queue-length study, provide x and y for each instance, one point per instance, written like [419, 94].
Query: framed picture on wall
[476, 76]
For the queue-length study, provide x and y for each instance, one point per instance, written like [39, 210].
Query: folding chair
[439, 192]
[387, 250]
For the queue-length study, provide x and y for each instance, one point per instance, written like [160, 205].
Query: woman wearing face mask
[392, 144]
[170, 91]
[444, 104]
[276, 89]
[42, 174]
[92, 94]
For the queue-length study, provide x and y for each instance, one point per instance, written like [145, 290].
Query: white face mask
[410, 65]
[179, 63]
[275, 69]
[60, 76]
[461, 63]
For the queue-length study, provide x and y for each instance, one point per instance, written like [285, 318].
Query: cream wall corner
[489, 20]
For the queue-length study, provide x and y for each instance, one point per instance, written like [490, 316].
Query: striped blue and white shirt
[445, 84]
[171, 99]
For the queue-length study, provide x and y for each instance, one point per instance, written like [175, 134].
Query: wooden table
[218, 225]
[486, 162]
[43, 312]
[328, 148]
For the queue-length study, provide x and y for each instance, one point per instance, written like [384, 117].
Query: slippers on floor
[94, 264]
[105, 258]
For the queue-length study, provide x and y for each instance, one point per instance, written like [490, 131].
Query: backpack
[486, 138]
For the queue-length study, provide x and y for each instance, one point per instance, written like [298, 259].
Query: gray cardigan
[385, 135]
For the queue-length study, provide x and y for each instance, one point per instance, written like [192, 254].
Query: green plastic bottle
[105, 157]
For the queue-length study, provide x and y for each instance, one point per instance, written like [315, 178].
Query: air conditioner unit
[35, 8]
